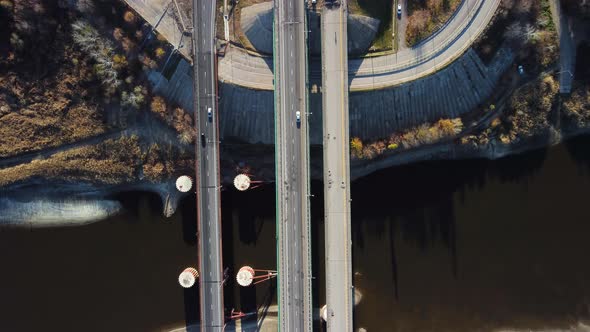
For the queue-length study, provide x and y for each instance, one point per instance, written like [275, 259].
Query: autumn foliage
[422, 135]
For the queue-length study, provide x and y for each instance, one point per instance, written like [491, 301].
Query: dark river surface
[438, 246]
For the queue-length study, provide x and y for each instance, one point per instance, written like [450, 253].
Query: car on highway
[298, 118]
[399, 11]
[203, 140]
[210, 114]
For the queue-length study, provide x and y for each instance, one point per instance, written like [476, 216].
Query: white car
[399, 10]
[298, 118]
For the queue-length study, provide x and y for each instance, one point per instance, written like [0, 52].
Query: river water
[437, 246]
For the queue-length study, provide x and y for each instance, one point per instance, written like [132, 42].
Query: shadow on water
[251, 208]
[188, 210]
[192, 306]
[418, 198]
[474, 243]
[245, 215]
[416, 202]
[580, 153]
[139, 203]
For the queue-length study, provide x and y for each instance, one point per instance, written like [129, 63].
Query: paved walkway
[472, 17]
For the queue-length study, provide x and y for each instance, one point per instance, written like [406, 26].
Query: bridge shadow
[416, 203]
[578, 151]
[192, 306]
[188, 210]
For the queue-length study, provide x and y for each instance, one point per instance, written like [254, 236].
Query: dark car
[203, 140]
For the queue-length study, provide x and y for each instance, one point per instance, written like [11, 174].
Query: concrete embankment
[248, 115]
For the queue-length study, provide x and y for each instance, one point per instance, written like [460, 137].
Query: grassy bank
[381, 10]
[113, 161]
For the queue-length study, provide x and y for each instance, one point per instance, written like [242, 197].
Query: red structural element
[246, 276]
[236, 314]
[269, 274]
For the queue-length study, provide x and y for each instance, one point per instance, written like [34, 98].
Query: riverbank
[40, 204]
[53, 202]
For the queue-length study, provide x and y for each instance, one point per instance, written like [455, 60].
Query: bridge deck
[336, 169]
[207, 168]
[292, 166]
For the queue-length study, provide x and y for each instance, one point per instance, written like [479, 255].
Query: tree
[101, 51]
[186, 136]
[134, 98]
[119, 61]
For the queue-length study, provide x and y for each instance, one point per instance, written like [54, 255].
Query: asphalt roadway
[292, 163]
[339, 292]
[207, 167]
[377, 72]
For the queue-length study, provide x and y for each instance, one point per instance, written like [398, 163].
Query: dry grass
[35, 114]
[576, 107]
[110, 162]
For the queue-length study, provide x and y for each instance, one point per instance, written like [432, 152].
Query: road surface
[207, 167]
[292, 167]
[339, 290]
[378, 72]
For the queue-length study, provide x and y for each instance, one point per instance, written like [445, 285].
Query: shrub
[120, 61]
[118, 34]
[356, 147]
[134, 98]
[129, 17]
[128, 45]
[158, 106]
[6, 5]
[147, 62]
[160, 52]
